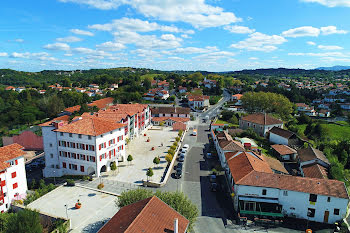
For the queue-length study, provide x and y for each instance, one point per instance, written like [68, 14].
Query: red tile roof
[275, 164]
[75, 108]
[282, 132]
[8, 153]
[283, 149]
[102, 103]
[310, 153]
[315, 171]
[179, 126]
[150, 215]
[176, 119]
[197, 97]
[237, 96]
[90, 126]
[64, 118]
[262, 119]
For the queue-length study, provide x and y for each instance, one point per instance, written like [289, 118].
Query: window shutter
[118, 139]
[100, 157]
[93, 147]
[114, 152]
[104, 145]
[100, 146]
[122, 137]
[13, 174]
[113, 140]
[122, 147]
[16, 162]
[109, 143]
[15, 185]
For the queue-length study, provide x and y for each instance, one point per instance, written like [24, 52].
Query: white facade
[76, 154]
[296, 204]
[259, 129]
[277, 139]
[13, 183]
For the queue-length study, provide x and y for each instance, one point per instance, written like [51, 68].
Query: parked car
[178, 174]
[183, 153]
[183, 150]
[212, 178]
[186, 146]
[179, 166]
[209, 155]
[214, 187]
[181, 158]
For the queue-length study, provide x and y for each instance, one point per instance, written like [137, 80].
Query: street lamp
[54, 177]
[70, 224]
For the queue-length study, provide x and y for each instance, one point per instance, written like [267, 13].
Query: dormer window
[61, 134]
[79, 136]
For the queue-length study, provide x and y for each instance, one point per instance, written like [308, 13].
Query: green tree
[67, 82]
[149, 173]
[24, 221]
[169, 158]
[114, 166]
[156, 160]
[129, 159]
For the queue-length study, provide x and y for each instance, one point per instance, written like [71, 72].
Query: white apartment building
[13, 180]
[85, 146]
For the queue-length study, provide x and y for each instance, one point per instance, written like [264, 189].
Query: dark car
[214, 187]
[181, 158]
[179, 166]
[178, 174]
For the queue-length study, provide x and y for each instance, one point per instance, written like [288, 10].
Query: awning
[258, 199]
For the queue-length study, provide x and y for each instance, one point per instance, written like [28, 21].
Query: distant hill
[334, 68]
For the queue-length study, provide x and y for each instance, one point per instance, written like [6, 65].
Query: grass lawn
[345, 123]
[337, 132]
[301, 128]
[218, 121]
[149, 75]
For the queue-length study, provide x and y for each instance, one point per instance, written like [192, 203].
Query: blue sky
[212, 35]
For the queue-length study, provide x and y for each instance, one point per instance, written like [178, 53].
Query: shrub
[114, 166]
[17, 202]
[173, 148]
[169, 158]
[100, 186]
[171, 151]
[70, 182]
[175, 144]
[85, 178]
[180, 133]
[177, 138]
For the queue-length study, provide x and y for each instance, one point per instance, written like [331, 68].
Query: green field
[336, 132]
[225, 123]
[149, 75]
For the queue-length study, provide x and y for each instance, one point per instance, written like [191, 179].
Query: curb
[98, 190]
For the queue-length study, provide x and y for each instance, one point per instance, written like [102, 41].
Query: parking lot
[160, 138]
[96, 208]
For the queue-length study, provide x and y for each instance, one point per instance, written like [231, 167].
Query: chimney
[176, 225]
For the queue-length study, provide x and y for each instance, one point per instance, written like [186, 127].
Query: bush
[85, 178]
[17, 202]
[100, 186]
[180, 133]
[175, 144]
[24, 221]
[169, 158]
[70, 182]
[177, 139]
[173, 148]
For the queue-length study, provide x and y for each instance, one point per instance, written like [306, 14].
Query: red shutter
[3, 182]
[114, 152]
[93, 147]
[113, 140]
[13, 174]
[100, 146]
[109, 143]
[118, 139]
[64, 165]
[16, 162]
[100, 157]
[110, 154]
[122, 147]
[104, 145]
[15, 185]
[122, 137]
[82, 168]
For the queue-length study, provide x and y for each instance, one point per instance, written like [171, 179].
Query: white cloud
[83, 50]
[68, 54]
[332, 30]
[331, 3]
[137, 25]
[215, 55]
[330, 47]
[254, 58]
[57, 46]
[3, 54]
[326, 54]
[311, 43]
[239, 29]
[69, 39]
[195, 12]
[19, 40]
[20, 55]
[81, 32]
[260, 42]
[193, 50]
[110, 46]
[168, 37]
[301, 31]
[42, 56]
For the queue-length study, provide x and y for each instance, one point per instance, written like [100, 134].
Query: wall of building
[276, 139]
[51, 154]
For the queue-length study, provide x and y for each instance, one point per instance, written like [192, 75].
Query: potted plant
[78, 205]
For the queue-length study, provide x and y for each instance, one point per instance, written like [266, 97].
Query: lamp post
[54, 177]
[70, 224]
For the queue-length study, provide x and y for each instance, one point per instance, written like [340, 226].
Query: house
[209, 83]
[312, 155]
[13, 181]
[84, 146]
[285, 152]
[20, 89]
[94, 86]
[283, 137]
[171, 112]
[259, 192]
[150, 215]
[114, 86]
[182, 89]
[236, 97]
[27, 139]
[314, 170]
[156, 93]
[275, 165]
[260, 123]
[324, 113]
[80, 90]
[306, 109]
[42, 92]
[169, 121]
[10, 88]
[198, 101]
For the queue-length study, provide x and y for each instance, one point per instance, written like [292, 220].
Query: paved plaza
[97, 207]
[143, 156]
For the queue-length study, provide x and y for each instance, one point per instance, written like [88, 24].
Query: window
[50, 144]
[61, 134]
[336, 212]
[313, 198]
[64, 165]
[13, 174]
[250, 206]
[70, 135]
[15, 185]
[51, 155]
[311, 212]
[264, 192]
[79, 135]
[92, 159]
[82, 168]
[328, 199]
[89, 137]
[285, 193]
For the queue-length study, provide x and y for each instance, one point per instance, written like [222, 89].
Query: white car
[186, 146]
[183, 150]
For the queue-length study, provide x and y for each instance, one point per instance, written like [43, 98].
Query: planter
[148, 140]
[145, 135]
[77, 205]
[152, 148]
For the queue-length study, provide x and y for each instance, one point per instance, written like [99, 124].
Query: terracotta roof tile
[102, 103]
[170, 110]
[150, 215]
[310, 153]
[8, 153]
[315, 171]
[75, 108]
[283, 149]
[262, 119]
[64, 118]
[275, 164]
[231, 145]
[90, 126]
